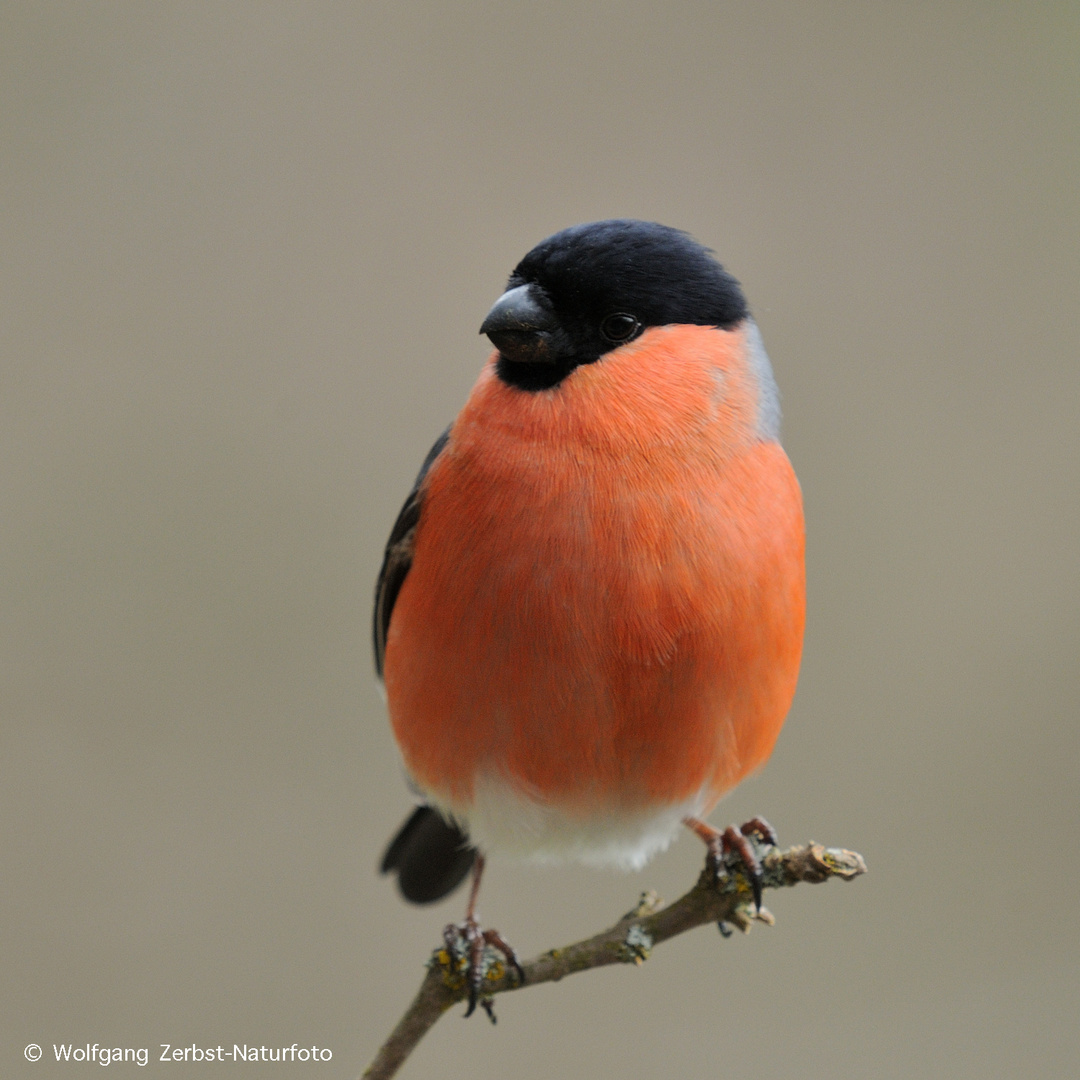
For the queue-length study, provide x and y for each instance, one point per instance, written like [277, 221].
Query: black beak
[521, 327]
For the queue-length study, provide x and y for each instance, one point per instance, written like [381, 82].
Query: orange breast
[606, 601]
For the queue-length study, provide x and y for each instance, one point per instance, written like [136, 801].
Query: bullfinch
[589, 617]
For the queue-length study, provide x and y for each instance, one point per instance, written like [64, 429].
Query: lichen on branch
[720, 895]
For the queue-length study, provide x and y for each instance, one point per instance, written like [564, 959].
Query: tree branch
[721, 899]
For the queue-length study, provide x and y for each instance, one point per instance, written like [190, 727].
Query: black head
[591, 288]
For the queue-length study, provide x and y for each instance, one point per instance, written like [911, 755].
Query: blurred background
[246, 249]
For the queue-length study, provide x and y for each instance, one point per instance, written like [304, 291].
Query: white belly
[505, 822]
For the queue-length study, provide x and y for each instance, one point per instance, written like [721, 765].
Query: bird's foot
[466, 945]
[737, 843]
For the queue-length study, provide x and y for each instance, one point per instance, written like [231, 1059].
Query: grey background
[245, 252]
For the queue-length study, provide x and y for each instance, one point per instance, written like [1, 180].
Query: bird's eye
[619, 327]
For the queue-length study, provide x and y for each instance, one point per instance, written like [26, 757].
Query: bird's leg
[736, 841]
[474, 940]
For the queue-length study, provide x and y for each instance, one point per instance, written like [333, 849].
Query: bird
[590, 611]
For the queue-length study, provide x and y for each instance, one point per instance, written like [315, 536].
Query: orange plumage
[605, 606]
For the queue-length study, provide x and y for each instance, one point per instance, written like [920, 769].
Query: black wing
[398, 557]
[430, 855]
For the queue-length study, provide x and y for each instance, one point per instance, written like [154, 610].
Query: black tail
[431, 857]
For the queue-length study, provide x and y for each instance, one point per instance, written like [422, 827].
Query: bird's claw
[466, 941]
[760, 830]
[738, 842]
